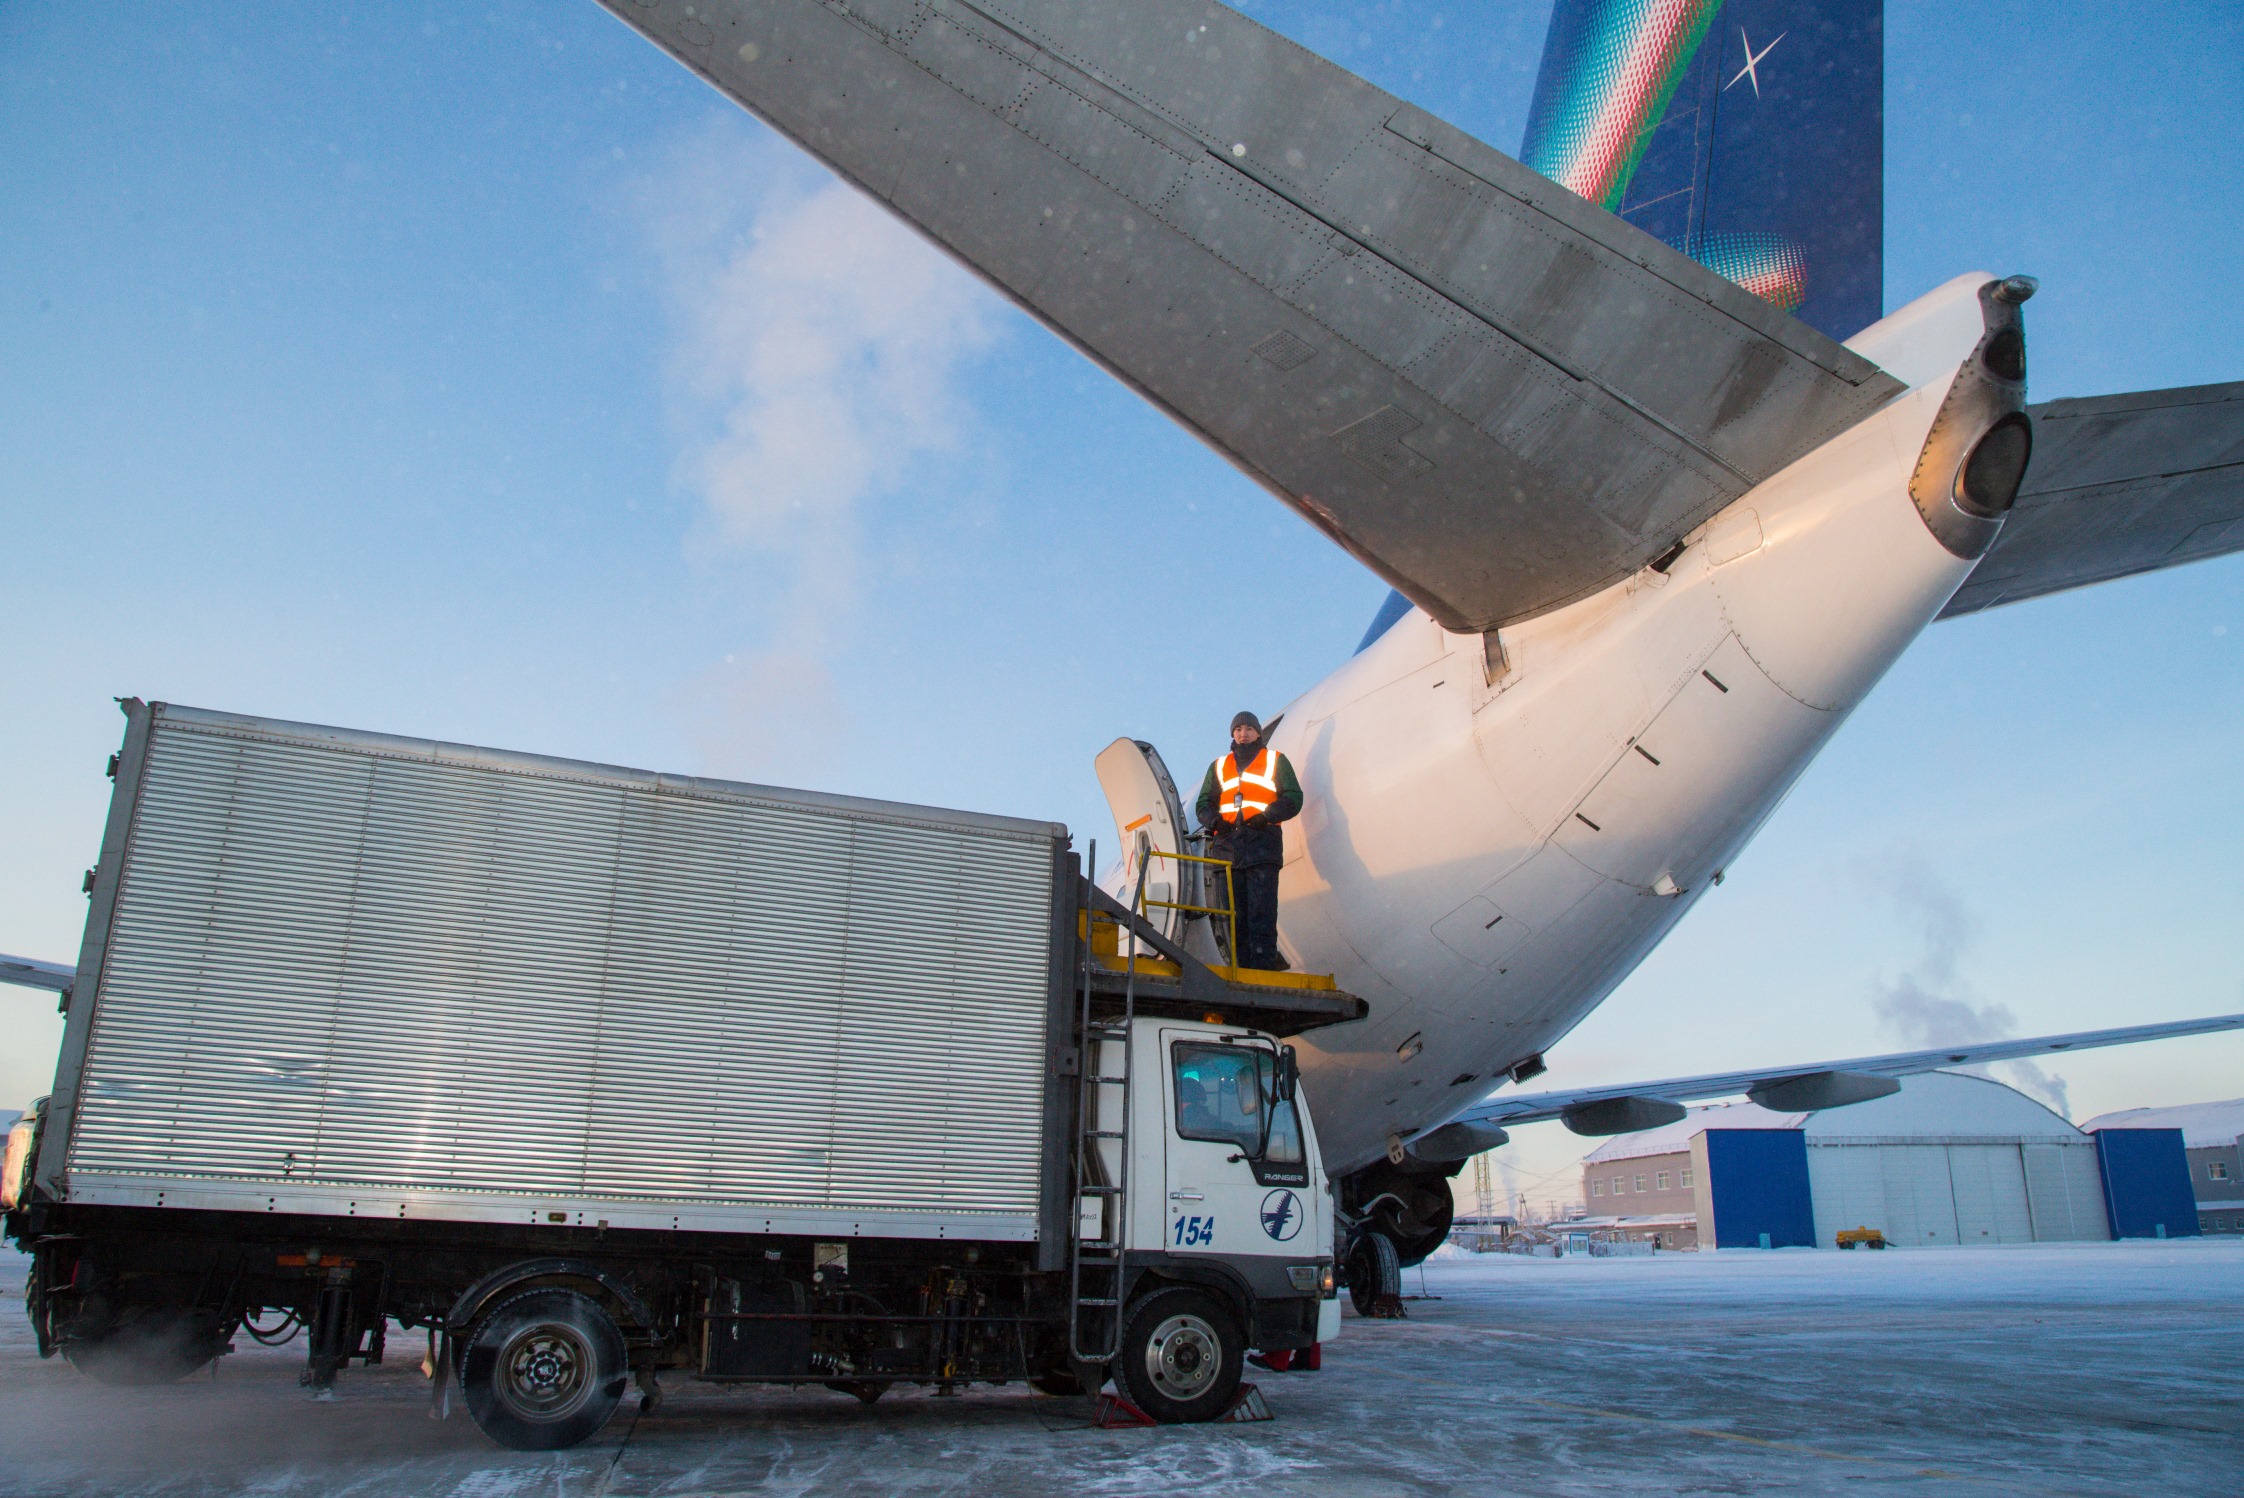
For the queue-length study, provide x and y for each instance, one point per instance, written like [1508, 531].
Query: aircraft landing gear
[1392, 1218]
[1375, 1276]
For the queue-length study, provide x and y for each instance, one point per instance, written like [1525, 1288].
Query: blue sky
[477, 373]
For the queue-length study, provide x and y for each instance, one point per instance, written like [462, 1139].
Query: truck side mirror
[1289, 1074]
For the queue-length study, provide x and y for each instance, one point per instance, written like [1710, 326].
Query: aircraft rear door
[1151, 820]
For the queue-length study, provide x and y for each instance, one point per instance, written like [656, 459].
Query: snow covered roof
[2203, 1125]
[1943, 1105]
[1931, 1105]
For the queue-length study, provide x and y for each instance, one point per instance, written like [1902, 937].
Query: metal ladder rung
[1095, 1321]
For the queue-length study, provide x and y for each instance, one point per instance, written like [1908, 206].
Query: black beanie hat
[1246, 720]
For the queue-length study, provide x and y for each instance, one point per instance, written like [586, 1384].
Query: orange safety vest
[1254, 789]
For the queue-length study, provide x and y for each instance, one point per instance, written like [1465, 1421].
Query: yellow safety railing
[1229, 910]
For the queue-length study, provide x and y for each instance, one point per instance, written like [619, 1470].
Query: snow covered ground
[2089, 1368]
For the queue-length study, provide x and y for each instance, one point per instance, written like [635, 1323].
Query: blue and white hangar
[1949, 1160]
[2213, 1144]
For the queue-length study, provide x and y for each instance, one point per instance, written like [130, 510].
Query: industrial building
[1949, 1160]
[2212, 1142]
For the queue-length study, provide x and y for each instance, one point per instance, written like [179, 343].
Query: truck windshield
[1225, 1093]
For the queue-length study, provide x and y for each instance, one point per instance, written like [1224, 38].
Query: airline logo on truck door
[1281, 1215]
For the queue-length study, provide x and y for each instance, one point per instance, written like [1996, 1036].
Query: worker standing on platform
[1244, 797]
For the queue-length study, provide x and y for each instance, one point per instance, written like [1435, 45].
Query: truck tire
[543, 1369]
[1182, 1354]
[154, 1347]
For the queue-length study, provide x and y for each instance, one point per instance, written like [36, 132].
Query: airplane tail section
[1749, 134]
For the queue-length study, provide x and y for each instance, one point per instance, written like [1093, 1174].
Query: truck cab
[1212, 1166]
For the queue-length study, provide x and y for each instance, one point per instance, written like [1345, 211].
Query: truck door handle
[1184, 1196]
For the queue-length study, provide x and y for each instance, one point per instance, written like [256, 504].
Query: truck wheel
[1181, 1356]
[544, 1369]
[155, 1347]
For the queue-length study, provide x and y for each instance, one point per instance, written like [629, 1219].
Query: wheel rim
[544, 1371]
[1183, 1357]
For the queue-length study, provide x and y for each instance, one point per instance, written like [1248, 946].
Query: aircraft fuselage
[1497, 832]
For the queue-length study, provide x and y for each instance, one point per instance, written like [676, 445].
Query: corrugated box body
[340, 973]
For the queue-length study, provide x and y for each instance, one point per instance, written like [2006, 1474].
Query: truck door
[1222, 1198]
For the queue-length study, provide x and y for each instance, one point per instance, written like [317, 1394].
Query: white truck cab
[1224, 1184]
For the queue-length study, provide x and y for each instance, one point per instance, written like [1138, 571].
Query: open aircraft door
[1150, 818]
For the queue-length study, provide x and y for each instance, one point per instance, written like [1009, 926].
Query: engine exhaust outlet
[1975, 457]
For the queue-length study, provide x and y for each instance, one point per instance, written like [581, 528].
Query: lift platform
[1176, 940]
[1157, 976]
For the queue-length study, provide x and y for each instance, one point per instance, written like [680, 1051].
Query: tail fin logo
[1767, 170]
[1752, 68]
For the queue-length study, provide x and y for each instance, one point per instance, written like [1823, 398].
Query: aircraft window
[1225, 1092]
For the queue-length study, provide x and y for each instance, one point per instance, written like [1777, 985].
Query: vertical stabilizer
[1750, 134]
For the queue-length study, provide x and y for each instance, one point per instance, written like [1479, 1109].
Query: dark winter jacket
[1259, 841]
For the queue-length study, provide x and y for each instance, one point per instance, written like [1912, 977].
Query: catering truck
[595, 1075]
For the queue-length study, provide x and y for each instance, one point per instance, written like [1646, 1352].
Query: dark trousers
[1256, 889]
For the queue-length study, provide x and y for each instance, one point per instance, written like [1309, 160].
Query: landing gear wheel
[1375, 1276]
[543, 1370]
[1182, 1354]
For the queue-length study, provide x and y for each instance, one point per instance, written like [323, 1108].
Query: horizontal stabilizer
[1833, 1078]
[29, 973]
[1498, 396]
[2119, 484]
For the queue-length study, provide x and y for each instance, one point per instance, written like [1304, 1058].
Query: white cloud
[817, 358]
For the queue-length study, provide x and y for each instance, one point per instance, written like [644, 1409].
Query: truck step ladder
[1095, 1265]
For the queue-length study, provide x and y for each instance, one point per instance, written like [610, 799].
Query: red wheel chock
[1248, 1404]
[1291, 1359]
[1116, 1413]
